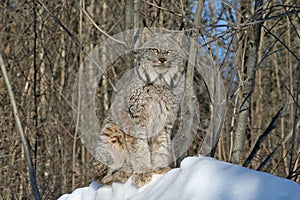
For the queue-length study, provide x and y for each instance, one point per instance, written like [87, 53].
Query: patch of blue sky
[217, 28]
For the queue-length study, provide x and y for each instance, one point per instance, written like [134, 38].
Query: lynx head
[160, 59]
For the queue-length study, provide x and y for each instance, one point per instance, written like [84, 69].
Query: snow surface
[197, 178]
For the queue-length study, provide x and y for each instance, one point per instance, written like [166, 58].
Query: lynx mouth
[161, 67]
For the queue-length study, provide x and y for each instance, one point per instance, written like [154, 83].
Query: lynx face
[160, 59]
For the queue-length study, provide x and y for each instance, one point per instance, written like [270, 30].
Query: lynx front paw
[162, 170]
[141, 179]
[122, 176]
[107, 180]
[111, 177]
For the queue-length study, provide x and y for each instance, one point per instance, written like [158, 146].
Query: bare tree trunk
[103, 57]
[188, 100]
[248, 76]
[136, 18]
[129, 25]
[192, 57]
[295, 134]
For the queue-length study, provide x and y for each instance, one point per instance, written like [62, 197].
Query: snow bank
[197, 178]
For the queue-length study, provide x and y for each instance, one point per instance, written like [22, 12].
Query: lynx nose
[162, 60]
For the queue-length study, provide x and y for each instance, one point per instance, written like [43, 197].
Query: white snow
[197, 178]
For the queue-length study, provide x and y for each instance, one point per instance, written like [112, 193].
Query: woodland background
[255, 44]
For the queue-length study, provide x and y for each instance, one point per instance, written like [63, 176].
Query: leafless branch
[162, 8]
[99, 29]
[20, 130]
[261, 138]
[278, 147]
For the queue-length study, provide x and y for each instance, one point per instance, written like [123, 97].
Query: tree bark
[130, 25]
[189, 83]
[248, 76]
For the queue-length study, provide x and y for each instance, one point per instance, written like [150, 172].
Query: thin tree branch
[99, 29]
[254, 22]
[20, 130]
[290, 93]
[159, 7]
[273, 153]
[293, 53]
[265, 134]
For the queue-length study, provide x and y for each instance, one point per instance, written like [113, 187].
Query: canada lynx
[136, 135]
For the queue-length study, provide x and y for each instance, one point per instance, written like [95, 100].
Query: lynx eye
[155, 51]
[169, 52]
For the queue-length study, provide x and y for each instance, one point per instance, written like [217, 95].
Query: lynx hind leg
[112, 151]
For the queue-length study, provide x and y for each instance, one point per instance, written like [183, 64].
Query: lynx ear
[178, 37]
[146, 35]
